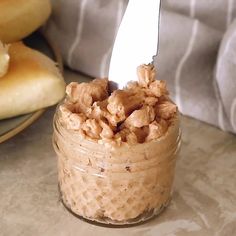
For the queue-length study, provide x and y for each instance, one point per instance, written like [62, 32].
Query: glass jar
[115, 185]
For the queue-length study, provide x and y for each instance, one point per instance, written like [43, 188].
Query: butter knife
[136, 41]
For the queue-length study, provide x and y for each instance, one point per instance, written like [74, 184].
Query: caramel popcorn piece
[92, 128]
[132, 85]
[132, 135]
[113, 119]
[107, 131]
[121, 103]
[99, 111]
[146, 74]
[73, 121]
[141, 133]
[102, 84]
[158, 88]
[156, 129]
[166, 109]
[131, 138]
[134, 88]
[84, 94]
[122, 134]
[127, 135]
[97, 89]
[150, 101]
[140, 118]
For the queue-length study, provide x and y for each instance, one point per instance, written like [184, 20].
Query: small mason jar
[118, 185]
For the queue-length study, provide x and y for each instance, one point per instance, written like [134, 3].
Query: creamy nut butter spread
[117, 151]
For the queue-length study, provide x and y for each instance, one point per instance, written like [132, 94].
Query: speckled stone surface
[204, 198]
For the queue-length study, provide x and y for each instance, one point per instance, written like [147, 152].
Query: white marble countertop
[204, 199]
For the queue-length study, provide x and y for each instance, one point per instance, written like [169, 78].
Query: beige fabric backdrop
[197, 53]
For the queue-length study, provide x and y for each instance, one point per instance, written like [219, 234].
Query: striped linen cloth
[197, 50]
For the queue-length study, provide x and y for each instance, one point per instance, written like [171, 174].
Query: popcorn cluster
[139, 113]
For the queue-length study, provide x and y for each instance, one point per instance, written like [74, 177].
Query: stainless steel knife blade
[136, 42]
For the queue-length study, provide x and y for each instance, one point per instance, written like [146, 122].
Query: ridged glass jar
[115, 185]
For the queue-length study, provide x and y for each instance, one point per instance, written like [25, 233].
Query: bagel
[19, 18]
[32, 82]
